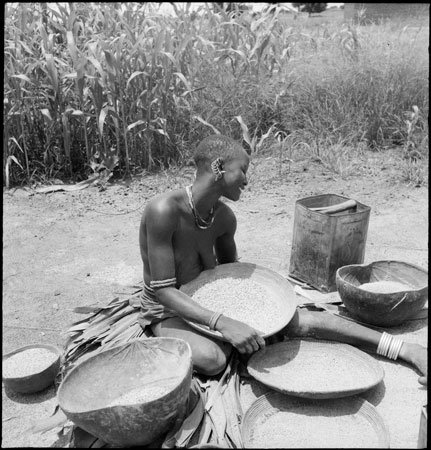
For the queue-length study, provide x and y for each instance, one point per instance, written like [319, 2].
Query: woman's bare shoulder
[165, 206]
[226, 216]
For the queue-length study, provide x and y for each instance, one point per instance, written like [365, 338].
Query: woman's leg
[323, 325]
[209, 355]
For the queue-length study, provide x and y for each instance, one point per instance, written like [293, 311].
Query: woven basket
[315, 369]
[273, 403]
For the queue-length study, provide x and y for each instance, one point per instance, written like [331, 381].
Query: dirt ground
[68, 249]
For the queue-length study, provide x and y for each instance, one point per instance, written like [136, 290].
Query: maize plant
[128, 86]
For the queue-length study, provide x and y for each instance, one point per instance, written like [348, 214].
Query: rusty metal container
[323, 241]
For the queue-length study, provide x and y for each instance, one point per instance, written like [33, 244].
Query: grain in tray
[300, 429]
[385, 287]
[28, 362]
[145, 393]
[238, 298]
[319, 373]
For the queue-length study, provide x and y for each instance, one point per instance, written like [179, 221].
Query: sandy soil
[69, 249]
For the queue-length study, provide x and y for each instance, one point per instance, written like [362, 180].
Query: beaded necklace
[200, 223]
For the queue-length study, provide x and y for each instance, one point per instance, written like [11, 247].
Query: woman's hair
[216, 146]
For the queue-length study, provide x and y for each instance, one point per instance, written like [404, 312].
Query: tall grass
[92, 85]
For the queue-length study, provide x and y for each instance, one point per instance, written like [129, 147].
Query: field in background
[122, 87]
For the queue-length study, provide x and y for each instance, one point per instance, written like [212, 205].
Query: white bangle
[384, 343]
[389, 346]
[395, 348]
[213, 320]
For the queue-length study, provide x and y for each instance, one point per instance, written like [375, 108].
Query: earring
[216, 167]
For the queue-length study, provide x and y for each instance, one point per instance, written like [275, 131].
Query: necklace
[200, 223]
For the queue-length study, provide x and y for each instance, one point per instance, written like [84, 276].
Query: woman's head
[216, 146]
[226, 160]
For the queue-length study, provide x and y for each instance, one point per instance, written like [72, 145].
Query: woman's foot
[417, 356]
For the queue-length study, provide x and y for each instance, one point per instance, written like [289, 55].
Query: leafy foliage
[311, 8]
[123, 86]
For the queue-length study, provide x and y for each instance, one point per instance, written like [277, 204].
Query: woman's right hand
[243, 337]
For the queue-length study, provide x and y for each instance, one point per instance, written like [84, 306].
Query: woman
[186, 231]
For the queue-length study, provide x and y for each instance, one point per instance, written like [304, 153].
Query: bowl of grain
[247, 292]
[130, 394]
[275, 420]
[32, 368]
[383, 293]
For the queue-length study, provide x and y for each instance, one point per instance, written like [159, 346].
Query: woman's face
[235, 176]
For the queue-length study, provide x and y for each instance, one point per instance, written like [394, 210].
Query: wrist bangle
[389, 346]
[395, 347]
[213, 320]
[216, 320]
[384, 343]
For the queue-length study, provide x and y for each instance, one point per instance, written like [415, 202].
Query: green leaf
[207, 124]
[183, 79]
[102, 118]
[134, 75]
[12, 158]
[171, 57]
[206, 41]
[97, 65]
[72, 46]
[263, 137]
[245, 132]
[22, 77]
[159, 42]
[52, 72]
[66, 134]
[112, 63]
[16, 143]
[70, 75]
[161, 131]
[135, 124]
[47, 115]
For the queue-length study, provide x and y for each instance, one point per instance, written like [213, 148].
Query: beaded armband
[158, 284]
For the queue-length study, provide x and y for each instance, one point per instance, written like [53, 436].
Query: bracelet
[389, 346]
[213, 320]
[383, 347]
[394, 349]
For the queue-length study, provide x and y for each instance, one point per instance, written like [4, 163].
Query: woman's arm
[161, 222]
[225, 246]
[160, 226]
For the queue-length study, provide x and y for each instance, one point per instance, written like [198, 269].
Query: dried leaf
[86, 309]
[48, 423]
[207, 124]
[218, 417]
[78, 327]
[206, 430]
[233, 407]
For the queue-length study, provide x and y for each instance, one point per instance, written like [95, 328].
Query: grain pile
[300, 429]
[28, 362]
[145, 393]
[385, 287]
[319, 372]
[240, 299]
